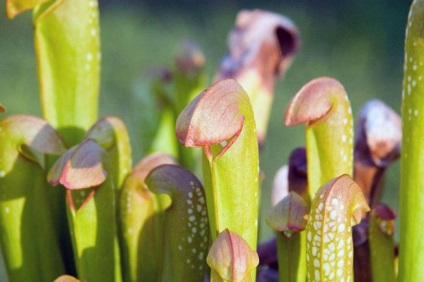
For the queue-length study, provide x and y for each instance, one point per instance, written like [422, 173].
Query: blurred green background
[358, 42]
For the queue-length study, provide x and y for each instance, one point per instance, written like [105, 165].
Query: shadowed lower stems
[30, 227]
[140, 219]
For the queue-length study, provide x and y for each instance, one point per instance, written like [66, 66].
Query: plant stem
[382, 244]
[412, 161]
[291, 255]
[67, 45]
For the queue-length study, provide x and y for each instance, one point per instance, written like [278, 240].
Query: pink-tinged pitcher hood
[261, 47]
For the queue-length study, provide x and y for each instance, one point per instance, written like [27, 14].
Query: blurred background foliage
[358, 42]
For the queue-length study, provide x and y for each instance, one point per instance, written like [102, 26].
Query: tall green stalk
[221, 121]
[382, 243]
[323, 105]
[91, 210]
[67, 45]
[174, 89]
[412, 161]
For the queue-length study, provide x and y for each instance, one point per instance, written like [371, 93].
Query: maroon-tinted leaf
[2, 108]
[213, 116]
[186, 226]
[385, 219]
[81, 167]
[379, 134]
[112, 136]
[66, 278]
[261, 40]
[289, 215]
[231, 258]
[35, 133]
[267, 274]
[313, 102]
[267, 252]
[298, 174]
[189, 57]
[377, 145]
[280, 186]
[262, 46]
[146, 165]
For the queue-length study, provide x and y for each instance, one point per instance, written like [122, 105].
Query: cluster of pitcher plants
[73, 207]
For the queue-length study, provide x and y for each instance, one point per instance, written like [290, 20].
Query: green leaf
[80, 168]
[412, 163]
[28, 233]
[289, 215]
[337, 206]
[140, 218]
[173, 90]
[188, 80]
[188, 77]
[262, 46]
[165, 140]
[231, 259]
[67, 45]
[15, 7]
[111, 134]
[323, 105]
[221, 121]
[185, 230]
